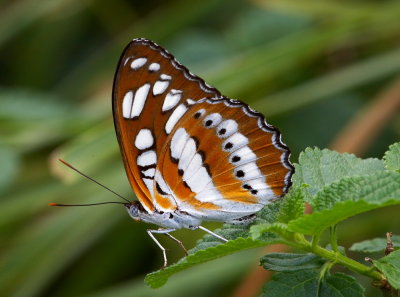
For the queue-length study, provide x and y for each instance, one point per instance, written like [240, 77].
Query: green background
[312, 67]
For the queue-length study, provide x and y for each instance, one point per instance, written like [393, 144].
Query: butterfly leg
[179, 242]
[160, 231]
[213, 234]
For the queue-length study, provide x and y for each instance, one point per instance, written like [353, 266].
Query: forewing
[149, 87]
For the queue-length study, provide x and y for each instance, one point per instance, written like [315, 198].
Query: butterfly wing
[149, 86]
[222, 161]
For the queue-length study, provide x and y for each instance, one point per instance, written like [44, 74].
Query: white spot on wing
[260, 189]
[193, 167]
[127, 59]
[172, 99]
[149, 185]
[178, 143]
[144, 139]
[247, 171]
[234, 142]
[227, 128]
[212, 120]
[210, 195]
[137, 63]
[199, 180]
[127, 105]
[149, 172]
[166, 189]
[154, 67]
[160, 87]
[242, 156]
[161, 182]
[200, 113]
[165, 77]
[187, 154]
[140, 100]
[175, 117]
[147, 158]
[190, 101]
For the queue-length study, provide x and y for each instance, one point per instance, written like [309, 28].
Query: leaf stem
[333, 236]
[315, 240]
[337, 257]
[325, 268]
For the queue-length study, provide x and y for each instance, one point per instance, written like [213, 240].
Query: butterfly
[190, 153]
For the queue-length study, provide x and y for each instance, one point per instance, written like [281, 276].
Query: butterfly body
[171, 220]
[191, 154]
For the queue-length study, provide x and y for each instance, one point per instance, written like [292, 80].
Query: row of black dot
[248, 187]
[229, 145]
[208, 123]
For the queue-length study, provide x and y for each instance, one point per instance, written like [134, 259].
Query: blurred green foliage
[309, 66]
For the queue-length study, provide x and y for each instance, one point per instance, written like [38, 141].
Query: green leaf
[392, 157]
[374, 245]
[375, 188]
[292, 206]
[270, 213]
[319, 168]
[266, 216]
[259, 230]
[349, 197]
[292, 284]
[318, 222]
[306, 283]
[390, 267]
[160, 277]
[210, 248]
[340, 285]
[285, 262]
[227, 231]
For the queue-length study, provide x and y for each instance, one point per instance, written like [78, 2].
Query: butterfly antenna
[86, 204]
[88, 177]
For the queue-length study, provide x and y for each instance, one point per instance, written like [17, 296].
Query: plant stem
[325, 268]
[333, 236]
[336, 257]
[315, 240]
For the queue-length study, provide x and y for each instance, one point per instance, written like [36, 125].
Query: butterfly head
[134, 209]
